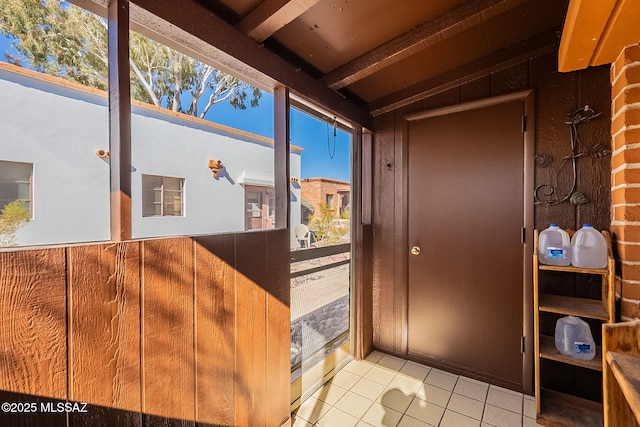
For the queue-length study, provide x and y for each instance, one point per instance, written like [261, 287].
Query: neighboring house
[54, 156]
[325, 191]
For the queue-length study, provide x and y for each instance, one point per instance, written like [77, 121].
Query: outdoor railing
[316, 253]
[319, 303]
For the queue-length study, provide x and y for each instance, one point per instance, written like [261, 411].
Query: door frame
[528, 98]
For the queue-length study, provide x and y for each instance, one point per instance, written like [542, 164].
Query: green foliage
[329, 228]
[12, 217]
[63, 40]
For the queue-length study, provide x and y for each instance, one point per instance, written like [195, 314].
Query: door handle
[415, 250]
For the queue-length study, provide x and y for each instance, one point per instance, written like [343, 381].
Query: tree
[66, 41]
[329, 229]
[12, 217]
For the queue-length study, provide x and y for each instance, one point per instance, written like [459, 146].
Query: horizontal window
[15, 183]
[162, 196]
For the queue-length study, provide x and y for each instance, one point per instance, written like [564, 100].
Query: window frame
[267, 205]
[162, 190]
[29, 201]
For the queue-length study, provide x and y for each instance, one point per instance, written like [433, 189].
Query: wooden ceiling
[381, 54]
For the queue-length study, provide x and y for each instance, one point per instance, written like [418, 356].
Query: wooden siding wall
[556, 94]
[180, 331]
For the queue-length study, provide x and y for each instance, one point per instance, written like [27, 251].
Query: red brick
[628, 55]
[628, 96]
[631, 290]
[625, 195]
[630, 309]
[627, 118]
[626, 176]
[628, 77]
[626, 213]
[632, 52]
[315, 190]
[627, 137]
[626, 233]
[629, 272]
[628, 252]
[631, 155]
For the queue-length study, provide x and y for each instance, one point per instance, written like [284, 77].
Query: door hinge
[523, 235]
[522, 349]
[524, 124]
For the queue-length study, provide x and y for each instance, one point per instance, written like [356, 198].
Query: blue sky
[313, 135]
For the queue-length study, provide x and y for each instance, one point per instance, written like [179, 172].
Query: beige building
[319, 191]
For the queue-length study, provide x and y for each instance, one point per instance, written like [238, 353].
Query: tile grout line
[414, 395]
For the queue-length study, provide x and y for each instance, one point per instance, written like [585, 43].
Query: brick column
[625, 177]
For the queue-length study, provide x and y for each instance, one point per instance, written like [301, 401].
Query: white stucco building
[52, 137]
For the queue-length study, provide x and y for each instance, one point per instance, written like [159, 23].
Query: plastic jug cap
[553, 225]
[587, 225]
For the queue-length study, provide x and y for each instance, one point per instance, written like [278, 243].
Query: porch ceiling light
[216, 166]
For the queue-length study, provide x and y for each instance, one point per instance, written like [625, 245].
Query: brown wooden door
[466, 213]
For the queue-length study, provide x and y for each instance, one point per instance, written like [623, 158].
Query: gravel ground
[313, 331]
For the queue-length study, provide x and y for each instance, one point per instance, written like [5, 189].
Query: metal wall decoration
[551, 192]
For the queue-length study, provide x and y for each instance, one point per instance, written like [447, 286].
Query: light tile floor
[384, 390]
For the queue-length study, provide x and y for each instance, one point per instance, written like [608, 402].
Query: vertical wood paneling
[33, 353]
[278, 369]
[154, 338]
[401, 245]
[556, 95]
[168, 374]
[366, 291]
[251, 329]
[594, 174]
[33, 334]
[383, 218]
[104, 331]
[215, 334]
[104, 325]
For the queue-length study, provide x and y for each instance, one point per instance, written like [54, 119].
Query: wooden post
[119, 120]
[281, 154]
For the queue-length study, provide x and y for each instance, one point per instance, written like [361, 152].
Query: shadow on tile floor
[388, 391]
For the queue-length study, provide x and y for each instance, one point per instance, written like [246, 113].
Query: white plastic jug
[573, 338]
[554, 246]
[588, 248]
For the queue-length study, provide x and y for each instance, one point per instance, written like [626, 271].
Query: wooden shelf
[548, 351]
[626, 370]
[621, 376]
[552, 407]
[572, 269]
[572, 306]
[560, 409]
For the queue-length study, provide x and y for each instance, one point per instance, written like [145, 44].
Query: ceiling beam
[536, 46]
[272, 15]
[198, 31]
[584, 25]
[458, 19]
